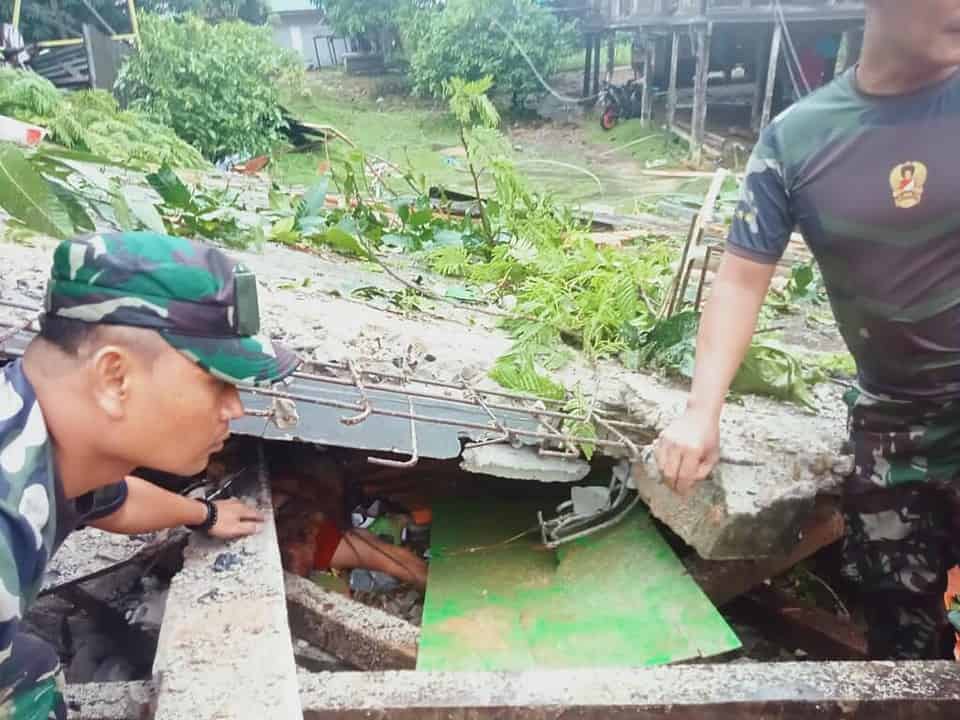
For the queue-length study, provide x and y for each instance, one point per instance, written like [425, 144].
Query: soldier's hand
[688, 450]
[235, 519]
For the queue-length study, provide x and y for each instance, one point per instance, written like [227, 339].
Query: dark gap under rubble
[106, 628]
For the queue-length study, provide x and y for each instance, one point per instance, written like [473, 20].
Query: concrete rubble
[361, 636]
[776, 457]
[522, 464]
[225, 649]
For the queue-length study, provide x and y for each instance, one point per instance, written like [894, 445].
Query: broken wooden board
[620, 598]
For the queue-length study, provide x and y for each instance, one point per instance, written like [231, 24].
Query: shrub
[91, 121]
[217, 86]
[467, 39]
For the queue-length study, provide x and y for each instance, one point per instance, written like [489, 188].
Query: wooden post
[650, 71]
[698, 129]
[587, 56]
[596, 66]
[760, 83]
[611, 56]
[672, 91]
[771, 76]
[16, 14]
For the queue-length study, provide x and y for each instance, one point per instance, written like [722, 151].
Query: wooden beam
[760, 83]
[771, 76]
[587, 57]
[672, 89]
[649, 73]
[724, 582]
[596, 66]
[611, 56]
[698, 127]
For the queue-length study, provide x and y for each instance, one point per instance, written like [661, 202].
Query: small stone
[226, 561]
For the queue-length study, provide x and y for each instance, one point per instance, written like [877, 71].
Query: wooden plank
[611, 56]
[596, 66]
[587, 57]
[820, 633]
[771, 76]
[724, 582]
[699, 121]
[602, 601]
[672, 90]
[646, 105]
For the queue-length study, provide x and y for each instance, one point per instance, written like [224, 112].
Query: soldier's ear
[111, 379]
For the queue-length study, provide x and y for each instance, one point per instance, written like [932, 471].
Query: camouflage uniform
[872, 184]
[204, 305]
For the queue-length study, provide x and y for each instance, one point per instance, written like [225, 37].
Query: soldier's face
[183, 413]
[924, 31]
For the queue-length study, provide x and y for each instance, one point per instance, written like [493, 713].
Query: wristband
[211, 520]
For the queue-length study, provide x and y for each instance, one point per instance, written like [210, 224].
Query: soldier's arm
[148, 508]
[689, 448]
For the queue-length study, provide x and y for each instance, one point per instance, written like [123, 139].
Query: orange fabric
[328, 540]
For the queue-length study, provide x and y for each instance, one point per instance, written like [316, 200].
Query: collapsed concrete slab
[523, 463]
[225, 649]
[785, 691]
[775, 457]
[362, 636]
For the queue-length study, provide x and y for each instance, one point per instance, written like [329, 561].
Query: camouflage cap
[202, 302]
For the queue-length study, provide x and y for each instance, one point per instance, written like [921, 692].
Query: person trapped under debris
[142, 341]
[867, 169]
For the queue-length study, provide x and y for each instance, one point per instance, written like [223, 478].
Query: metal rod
[265, 392]
[435, 383]
[365, 406]
[415, 454]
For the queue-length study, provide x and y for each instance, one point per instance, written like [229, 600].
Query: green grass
[656, 146]
[416, 134]
[398, 130]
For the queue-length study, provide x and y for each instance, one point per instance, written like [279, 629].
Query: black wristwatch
[206, 525]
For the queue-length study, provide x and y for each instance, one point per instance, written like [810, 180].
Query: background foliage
[466, 39]
[217, 86]
[91, 121]
[46, 20]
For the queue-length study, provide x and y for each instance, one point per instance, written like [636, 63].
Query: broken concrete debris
[523, 463]
[780, 453]
[361, 636]
[225, 648]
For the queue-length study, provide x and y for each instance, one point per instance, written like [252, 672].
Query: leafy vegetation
[91, 121]
[473, 40]
[218, 86]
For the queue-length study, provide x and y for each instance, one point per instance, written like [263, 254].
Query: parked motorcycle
[620, 102]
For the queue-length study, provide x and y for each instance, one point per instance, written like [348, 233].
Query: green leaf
[27, 196]
[283, 232]
[122, 212]
[394, 240]
[448, 238]
[460, 292]
[144, 211]
[344, 242]
[174, 193]
[768, 369]
[314, 202]
[519, 373]
[71, 201]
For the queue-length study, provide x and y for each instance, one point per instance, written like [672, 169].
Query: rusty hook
[415, 452]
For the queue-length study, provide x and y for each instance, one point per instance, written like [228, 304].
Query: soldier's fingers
[687, 472]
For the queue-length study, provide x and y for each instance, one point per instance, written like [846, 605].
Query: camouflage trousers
[902, 508]
[33, 683]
